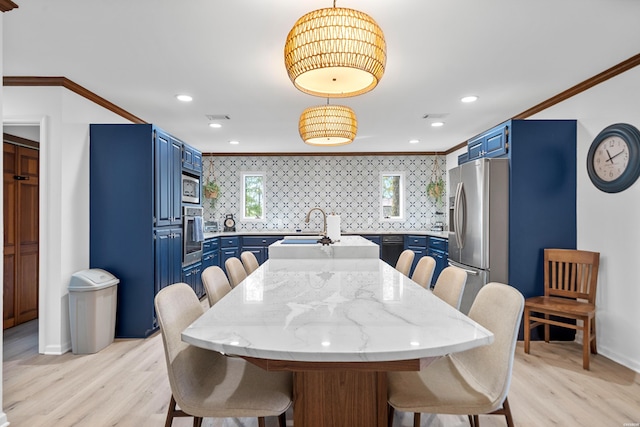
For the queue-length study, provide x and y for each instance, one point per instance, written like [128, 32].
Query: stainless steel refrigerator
[479, 223]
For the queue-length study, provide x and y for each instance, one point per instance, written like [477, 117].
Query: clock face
[611, 158]
[229, 222]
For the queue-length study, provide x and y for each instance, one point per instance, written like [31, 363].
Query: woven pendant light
[328, 125]
[335, 53]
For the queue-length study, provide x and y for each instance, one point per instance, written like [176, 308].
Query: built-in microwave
[190, 189]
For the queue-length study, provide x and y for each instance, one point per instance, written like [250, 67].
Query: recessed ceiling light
[437, 124]
[184, 98]
[413, 141]
[215, 125]
[234, 142]
[471, 98]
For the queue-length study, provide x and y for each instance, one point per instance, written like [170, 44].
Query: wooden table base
[339, 394]
[340, 399]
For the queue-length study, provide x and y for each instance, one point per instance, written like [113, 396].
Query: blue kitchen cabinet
[168, 198]
[492, 143]
[418, 244]
[168, 253]
[135, 182]
[191, 160]
[229, 248]
[211, 253]
[259, 246]
[192, 276]
[438, 250]
[463, 158]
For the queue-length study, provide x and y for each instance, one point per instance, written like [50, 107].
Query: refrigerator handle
[458, 215]
[463, 215]
[471, 272]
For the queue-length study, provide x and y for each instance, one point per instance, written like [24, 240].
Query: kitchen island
[305, 247]
[339, 325]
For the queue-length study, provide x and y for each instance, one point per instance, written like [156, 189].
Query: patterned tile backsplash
[345, 185]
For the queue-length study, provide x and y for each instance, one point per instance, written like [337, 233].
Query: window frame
[401, 201]
[243, 206]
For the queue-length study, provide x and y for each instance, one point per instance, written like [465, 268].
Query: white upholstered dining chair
[423, 273]
[405, 261]
[235, 271]
[249, 261]
[205, 383]
[470, 382]
[450, 285]
[216, 284]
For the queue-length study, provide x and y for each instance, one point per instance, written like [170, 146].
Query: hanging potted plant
[436, 187]
[211, 192]
[435, 190]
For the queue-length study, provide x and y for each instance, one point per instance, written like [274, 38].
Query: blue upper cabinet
[168, 152]
[492, 143]
[191, 160]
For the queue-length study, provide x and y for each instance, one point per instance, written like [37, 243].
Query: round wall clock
[613, 160]
[229, 223]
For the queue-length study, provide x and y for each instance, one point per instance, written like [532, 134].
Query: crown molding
[7, 5]
[607, 74]
[72, 86]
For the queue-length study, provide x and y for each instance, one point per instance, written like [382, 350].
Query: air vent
[217, 117]
[435, 115]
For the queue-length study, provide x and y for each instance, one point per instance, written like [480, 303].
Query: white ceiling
[228, 55]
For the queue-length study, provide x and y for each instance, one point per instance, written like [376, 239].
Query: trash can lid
[92, 280]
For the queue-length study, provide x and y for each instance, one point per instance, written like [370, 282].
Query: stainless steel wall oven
[193, 234]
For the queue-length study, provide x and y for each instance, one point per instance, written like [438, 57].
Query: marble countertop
[441, 234]
[333, 310]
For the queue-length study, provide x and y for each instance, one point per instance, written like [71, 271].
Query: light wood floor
[125, 385]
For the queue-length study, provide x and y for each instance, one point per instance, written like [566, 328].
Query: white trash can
[92, 310]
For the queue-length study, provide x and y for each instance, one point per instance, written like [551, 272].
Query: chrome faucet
[324, 216]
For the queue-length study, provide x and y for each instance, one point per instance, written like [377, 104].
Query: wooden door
[21, 165]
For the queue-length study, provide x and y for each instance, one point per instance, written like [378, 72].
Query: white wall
[609, 223]
[64, 119]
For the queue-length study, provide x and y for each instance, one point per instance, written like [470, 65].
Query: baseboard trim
[56, 350]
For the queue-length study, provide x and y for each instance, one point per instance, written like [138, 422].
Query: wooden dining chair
[235, 271]
[405, 261]
[216, 284]
[470, 382]
[570, 281]
[205, 383]
[249, 261]
[423, 273]
[450, 285]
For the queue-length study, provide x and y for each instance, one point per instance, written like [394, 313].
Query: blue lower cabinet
[438, 250]
[229, 248]
[211, 253]
[418, 244]
[191, 275]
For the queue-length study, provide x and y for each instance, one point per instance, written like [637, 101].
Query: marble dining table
[339, 325]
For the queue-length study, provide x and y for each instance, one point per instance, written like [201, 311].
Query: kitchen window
[392, 196]
[253, 196]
